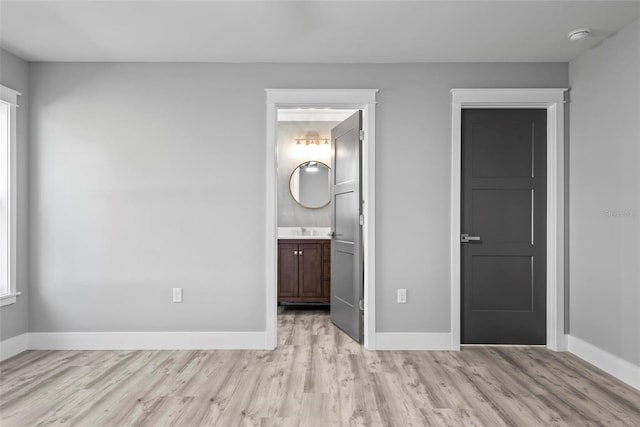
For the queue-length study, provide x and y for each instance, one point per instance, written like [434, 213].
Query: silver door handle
[332, 234]
[465, 238]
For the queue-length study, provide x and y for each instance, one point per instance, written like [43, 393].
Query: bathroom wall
[290, 213]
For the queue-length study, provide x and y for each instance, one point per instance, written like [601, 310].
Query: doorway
[319, 267]
[302, 101]
[551, 102]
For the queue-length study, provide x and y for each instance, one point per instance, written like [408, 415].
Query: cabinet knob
[299, 252]
[295, 252]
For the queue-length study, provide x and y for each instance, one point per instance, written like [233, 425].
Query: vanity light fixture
[312, 139]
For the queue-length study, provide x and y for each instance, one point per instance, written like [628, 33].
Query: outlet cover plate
[177, 294]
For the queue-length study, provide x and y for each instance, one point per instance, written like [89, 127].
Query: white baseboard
[147, 340]
[613, 365]
[413, 341]
[12, 346]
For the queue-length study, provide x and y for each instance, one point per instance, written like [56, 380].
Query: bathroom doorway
[319, 268]
[300, 244]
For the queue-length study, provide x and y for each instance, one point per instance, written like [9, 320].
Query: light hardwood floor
[316, 377]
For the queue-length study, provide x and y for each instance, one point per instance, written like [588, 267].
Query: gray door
[504, 216]
[346, 251]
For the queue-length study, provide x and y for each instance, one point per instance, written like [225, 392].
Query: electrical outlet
[402, 296]
[177, 294]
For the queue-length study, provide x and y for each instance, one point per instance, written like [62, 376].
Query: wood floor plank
[317, 376]
[580, 408]
[588, 382]
[119, 389]
[215, 399]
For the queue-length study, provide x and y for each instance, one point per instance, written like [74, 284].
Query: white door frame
[362, 99]
[553, 101]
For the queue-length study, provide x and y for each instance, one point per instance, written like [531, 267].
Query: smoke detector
[579, 34]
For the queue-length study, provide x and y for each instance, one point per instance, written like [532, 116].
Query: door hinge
[361, 219]
[361, 305]
[361, 135]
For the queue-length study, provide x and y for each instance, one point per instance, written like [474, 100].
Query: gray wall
[14, 73]
[149, 176]
[605, 195]
[290, 213]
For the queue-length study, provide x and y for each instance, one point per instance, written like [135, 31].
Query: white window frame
[10, 97]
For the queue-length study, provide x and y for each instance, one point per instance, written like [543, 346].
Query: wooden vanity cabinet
[304, 273]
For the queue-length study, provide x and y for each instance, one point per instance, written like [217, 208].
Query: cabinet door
[288, 272]
[311, 266]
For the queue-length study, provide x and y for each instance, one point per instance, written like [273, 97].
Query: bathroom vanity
[304, 269]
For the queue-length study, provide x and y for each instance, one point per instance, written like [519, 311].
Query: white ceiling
[306, 30]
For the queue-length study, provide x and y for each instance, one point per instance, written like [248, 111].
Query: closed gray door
[504, 219]
[346, 251]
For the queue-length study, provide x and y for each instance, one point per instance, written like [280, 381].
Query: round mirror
[309, 184]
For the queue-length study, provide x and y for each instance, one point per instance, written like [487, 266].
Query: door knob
[332, 234]
[465, 238]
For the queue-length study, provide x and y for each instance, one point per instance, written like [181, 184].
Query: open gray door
[346, 252]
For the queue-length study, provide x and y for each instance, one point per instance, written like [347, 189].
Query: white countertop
[292, 237]
[306, 233]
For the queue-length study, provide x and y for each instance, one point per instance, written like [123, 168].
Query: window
[8, 105]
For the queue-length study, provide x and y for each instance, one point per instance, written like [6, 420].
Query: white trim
[321, 98]
[9, 298]
[12, 346]
[9, 95]
[551, 99]
[413, 341]
[508, 97]
[147, 340]
[271, 229]
[364, 99]
[313, 115]
[613, 365]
